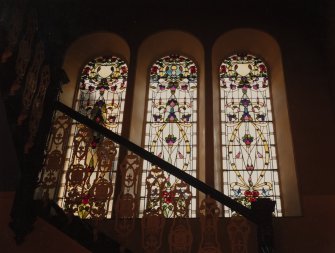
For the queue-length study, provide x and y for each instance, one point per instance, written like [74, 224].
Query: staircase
[154, 232]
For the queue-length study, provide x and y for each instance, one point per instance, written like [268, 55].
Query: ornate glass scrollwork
[248, 135]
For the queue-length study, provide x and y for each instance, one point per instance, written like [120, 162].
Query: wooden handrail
[194, 182]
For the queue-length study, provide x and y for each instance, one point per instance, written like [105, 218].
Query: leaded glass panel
[250, 168]
[87, 186]
[170, 133]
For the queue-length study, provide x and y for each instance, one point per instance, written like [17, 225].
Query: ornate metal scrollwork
[155, 184]
[126, 204]
[180, 235]
[54, 156]
[89, 187]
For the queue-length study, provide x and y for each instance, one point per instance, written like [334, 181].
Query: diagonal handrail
[196, 183]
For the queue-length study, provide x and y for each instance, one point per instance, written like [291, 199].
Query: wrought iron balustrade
[125, 203]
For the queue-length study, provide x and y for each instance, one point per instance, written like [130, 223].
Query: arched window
[171, 134]
[91, 162]
[252, 147]
[169, 107]
[249, 155]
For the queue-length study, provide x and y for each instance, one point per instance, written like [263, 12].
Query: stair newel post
[263, 210]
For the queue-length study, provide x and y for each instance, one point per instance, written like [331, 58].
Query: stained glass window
[87, 186]
[171, 134]
[250, 167]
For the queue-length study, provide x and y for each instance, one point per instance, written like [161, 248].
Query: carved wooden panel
[88, 181]
[153, 223]
[181, 199]
[155, 184]
[54, 156]
[238, 231]
[126, 204]
[180, 235]
[209, 213]
[174, 200]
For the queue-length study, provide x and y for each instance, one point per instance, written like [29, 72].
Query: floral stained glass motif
[250, 168]
[171, 135]
[90, 168]
[102, 91]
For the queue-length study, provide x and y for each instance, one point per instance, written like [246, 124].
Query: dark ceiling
[65, 20]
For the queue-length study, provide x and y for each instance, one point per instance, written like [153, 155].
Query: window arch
[102, 91]
[90, 170]
[164, 44]
[85, 172]
[171, 134]
[249, 155]
[111, 53]
[182, 43]
[259, 44]
[82, 51]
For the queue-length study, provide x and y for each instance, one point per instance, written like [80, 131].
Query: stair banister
[194, 182]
